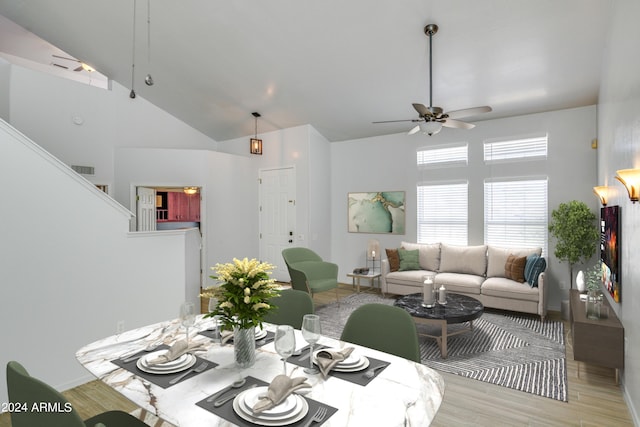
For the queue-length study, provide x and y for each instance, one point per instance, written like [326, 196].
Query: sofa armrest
[384, 270]
[542, 299]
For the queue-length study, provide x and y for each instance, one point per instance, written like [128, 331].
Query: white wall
[69, 269]
[388, 163]
[619, 148]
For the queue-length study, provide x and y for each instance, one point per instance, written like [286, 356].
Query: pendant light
[148, 79]
[255, 144]
[132, 94]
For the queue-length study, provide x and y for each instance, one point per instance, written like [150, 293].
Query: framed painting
[378, 213]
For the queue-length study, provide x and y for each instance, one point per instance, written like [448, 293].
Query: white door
[146, 210]
[277, 217]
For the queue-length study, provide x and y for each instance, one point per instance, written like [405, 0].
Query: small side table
[355, 280]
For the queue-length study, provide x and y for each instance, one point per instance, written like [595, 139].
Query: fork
[318, 417]
[201, 367]
[372, 372]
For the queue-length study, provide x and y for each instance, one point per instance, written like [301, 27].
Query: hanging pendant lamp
[255, 144]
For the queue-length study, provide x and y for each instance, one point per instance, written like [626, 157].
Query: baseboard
[635, 416]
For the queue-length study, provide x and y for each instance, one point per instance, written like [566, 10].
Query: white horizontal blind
[518, 149]
[443, 213]
[515, 213]
[443, 156]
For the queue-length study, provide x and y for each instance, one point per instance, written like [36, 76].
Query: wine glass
[285, 343]
[187, 316]
[311, 333]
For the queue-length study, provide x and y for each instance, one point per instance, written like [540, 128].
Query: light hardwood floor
[594, 398]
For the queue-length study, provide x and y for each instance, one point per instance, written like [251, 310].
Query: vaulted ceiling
[337, 65]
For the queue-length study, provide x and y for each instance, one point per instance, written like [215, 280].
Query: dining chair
[292, 305]
[309, 272]
[385, 328]
[46, 407]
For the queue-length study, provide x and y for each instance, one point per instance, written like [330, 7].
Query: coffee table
[458, 309]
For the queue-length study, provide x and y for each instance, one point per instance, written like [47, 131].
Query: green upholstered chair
[292, 306]
[56, 411]
[309, 272]
[385, 328]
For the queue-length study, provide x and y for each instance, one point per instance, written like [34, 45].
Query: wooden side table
[355, 280]
[600, 341]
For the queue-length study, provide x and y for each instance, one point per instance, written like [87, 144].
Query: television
[610, 249]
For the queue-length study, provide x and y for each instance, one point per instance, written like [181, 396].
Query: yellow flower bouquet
[243, 297]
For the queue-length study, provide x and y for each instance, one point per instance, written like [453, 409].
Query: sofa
[502, 278]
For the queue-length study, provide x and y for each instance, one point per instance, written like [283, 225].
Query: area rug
[504, 348]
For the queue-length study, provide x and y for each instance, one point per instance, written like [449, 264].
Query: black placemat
[226, 411]
[259, 343]
[354, 377]
[161, 380]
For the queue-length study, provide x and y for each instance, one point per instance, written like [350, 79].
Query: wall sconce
[603, 193]
[190, 190]
[630, 178]
[255, 144]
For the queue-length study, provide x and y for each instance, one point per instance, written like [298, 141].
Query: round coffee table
[458, 309]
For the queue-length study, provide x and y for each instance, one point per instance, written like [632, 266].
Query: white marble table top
[404, 394]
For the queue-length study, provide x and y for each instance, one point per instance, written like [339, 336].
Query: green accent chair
[56, 411]
[292, 305]
[309, 273]
[385, 328]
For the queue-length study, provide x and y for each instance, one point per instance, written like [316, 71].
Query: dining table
[399, 393]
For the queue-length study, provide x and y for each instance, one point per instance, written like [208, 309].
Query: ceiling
[337, 65]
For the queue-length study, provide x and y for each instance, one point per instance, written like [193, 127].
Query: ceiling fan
[431, 119]
[82, 66]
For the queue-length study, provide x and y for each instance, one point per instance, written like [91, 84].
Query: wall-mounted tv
[610, 249]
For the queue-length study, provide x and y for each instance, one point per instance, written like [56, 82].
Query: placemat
[354, 377]
[259, 343]
[226, 411]
[161, 380]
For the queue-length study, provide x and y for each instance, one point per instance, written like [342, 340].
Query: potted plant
[574, 227]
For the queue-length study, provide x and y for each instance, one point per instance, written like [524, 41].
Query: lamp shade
[630, 178]
[373, 249]
[602, 192]
[255, 146]
[430, 128]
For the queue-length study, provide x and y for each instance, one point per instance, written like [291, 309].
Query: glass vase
[244, 347]
[593, 305]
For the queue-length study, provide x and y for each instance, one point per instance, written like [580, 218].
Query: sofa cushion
[514, 268]
[534, 266]
[464, 259]
[429, 254]
[409, 260]
[457, 282]
[410, 278]
[506, 288]
[394, 259]
[497, 258]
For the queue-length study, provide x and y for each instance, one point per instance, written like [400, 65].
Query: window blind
[518, 149]
[443, 213]
[515, 213]
[443, 156]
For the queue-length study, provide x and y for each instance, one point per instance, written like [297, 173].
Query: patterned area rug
[504, 348]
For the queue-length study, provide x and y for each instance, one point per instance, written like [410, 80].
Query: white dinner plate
[257, 419]
[260, 334]
[354, 359]
[363, 363]
[284, 410]
[157, 369]
[147, 358]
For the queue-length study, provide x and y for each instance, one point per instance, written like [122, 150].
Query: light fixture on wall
[190, 190]
[255, 144]
[630, 178]
[602, 192]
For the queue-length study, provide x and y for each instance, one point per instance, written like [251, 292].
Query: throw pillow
[394, 259]
[534, 266]
[409, 260]
[514, 268]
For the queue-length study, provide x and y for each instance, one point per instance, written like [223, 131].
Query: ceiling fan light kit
[431, 119]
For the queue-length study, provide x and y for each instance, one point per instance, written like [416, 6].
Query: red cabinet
[183, 207]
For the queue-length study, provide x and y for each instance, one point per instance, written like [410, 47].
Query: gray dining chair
[385, 328]
[291, 306]
[56, 411]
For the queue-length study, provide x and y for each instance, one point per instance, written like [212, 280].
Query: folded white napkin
[225, 337]
[328, 359]
[176, 350]
[279, 389]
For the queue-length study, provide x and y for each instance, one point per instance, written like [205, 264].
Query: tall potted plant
[575, 229]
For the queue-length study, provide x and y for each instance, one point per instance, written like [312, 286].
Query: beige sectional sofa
[483, 272]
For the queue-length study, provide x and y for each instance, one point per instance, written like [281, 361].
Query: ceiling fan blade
[396, 121]
[422, 110]
[457, 124]
[65, 57]
[458, 114]
[78, 69]
[414, 130]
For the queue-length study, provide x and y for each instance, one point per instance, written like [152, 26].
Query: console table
[600, 341]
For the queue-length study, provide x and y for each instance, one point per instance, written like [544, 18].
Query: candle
[442, 295]
[427, 292]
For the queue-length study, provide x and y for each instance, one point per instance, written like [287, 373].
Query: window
[515, 213]
[518, 149]
[452, 155]
[442, 212]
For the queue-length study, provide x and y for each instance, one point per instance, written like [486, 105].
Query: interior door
[146, 209]
[277, 217]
